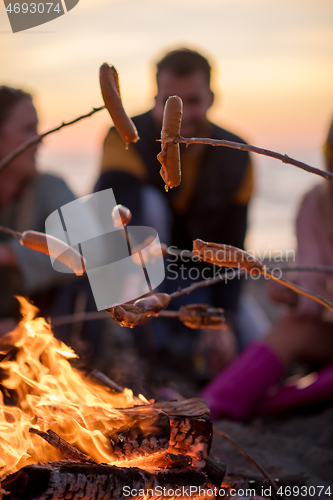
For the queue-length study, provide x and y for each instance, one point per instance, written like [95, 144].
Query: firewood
[101, 379]
[145, 431]
[180, 427]
[191, 428]
[215, 471]
[67, 480]
[171, 461]
[63, 446]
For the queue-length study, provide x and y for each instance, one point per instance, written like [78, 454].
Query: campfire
[66, 435]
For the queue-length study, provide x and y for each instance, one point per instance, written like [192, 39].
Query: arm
[312, 238]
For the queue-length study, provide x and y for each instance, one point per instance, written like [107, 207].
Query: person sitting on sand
[252, 385]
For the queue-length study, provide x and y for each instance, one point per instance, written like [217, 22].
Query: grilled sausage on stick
[41, 242]
[169, 157]
[109, 82]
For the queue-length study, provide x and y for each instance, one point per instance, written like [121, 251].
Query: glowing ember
[49, 394]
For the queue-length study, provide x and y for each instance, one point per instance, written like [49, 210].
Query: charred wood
[191, 428]
[63, 446]
[144, 432]
[101, 379]
[67, 480]
[182, 427]
[215, 471]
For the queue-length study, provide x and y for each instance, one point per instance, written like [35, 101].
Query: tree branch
[254, 149]
[95, 315]
[16, 152]
[243, 452]
[7, 230]
[265, 272]
[315, 269]
[298, 289]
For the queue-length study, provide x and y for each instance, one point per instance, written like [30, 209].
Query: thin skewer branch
[298, 289]
[16, 152]
[7, 230]
[227, 274]
[243, 452]
[190, 255]
[308, 268]
[265, 272]
[254, 149]
[96, 315]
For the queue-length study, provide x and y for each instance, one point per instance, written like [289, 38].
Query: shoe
[237, 391]
[311, 389]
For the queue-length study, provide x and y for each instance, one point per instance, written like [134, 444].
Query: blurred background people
[27, 198]
[211, 202]
[252, 384]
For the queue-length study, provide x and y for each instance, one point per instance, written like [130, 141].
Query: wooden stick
[61, 445]
[201, 284]
[254, 149]
[265, 272]
[316, 269]
[7, 230]
[103, 380]
[298, 289]
[65, 479]
[96, 315]
[243, 452]
[313, 269]
[16, 152]
[173, 251]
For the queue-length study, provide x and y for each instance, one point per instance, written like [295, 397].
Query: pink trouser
[248, 386]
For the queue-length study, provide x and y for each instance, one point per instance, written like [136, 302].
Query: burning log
[183, 428]
[101, 379]
[65, 448]
[171, 440]
[215, 471]
[144, 432]
[191, 428]
[65, 479]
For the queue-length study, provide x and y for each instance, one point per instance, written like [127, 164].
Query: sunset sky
[273, 83]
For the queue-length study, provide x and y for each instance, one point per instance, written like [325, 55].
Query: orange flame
[49, 394]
